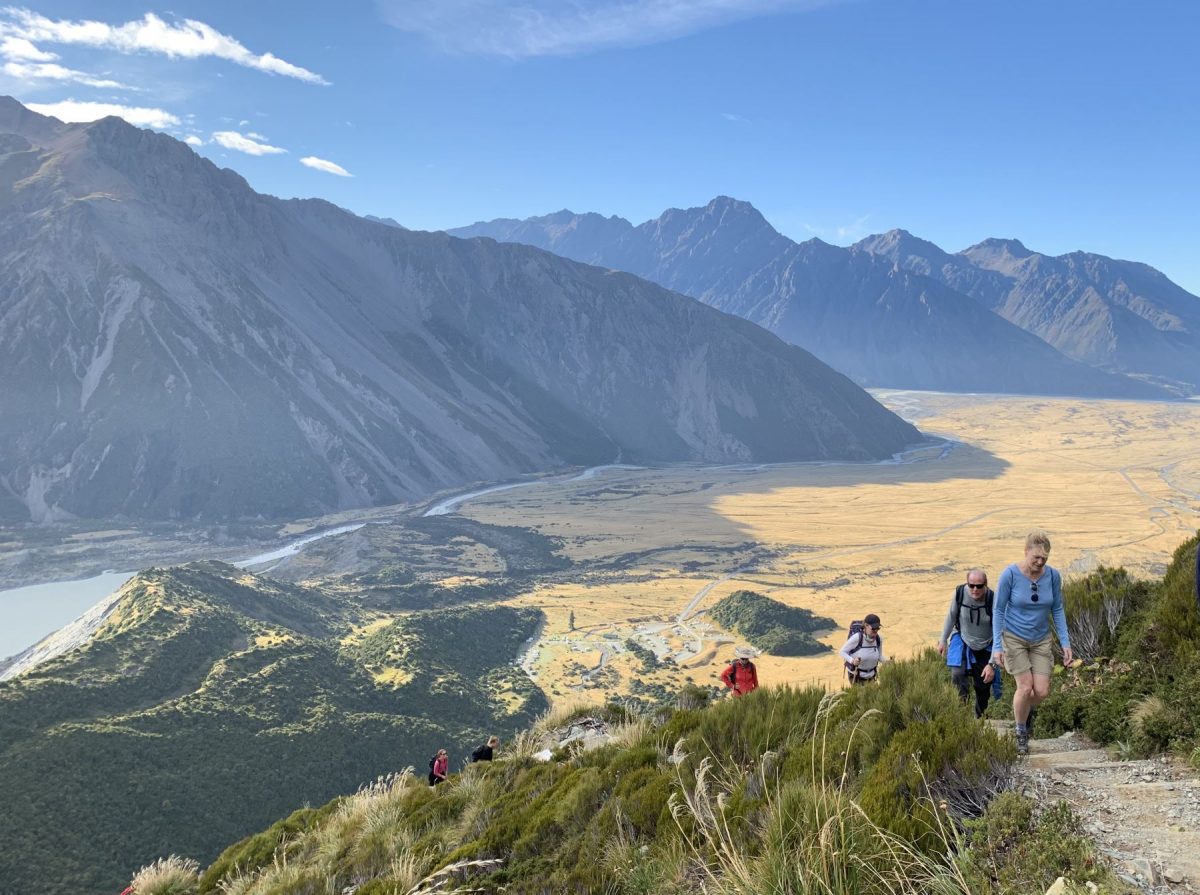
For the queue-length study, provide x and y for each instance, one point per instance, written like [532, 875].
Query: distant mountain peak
[996, 246]
[895, 242]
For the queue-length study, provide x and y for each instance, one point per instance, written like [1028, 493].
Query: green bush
[1015, 849]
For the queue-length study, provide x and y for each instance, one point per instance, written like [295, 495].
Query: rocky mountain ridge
[1120, 315]
[881, 319]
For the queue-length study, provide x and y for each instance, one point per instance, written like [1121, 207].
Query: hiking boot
[1022, 742]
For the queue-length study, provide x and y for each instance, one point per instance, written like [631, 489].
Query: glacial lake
[30, 613]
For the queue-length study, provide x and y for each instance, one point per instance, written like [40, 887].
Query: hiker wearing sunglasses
[966, 639]
[1028, 595]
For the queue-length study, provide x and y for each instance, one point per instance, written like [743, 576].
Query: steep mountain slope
[879, 325]
[174, 344]
[1115, 314]
[210, 702]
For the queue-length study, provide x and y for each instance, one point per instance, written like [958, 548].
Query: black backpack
[480, 753]
[960, 594]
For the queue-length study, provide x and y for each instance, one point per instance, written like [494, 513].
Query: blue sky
[1067, 124]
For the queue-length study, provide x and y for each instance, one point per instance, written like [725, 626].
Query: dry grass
[818, 840]
[168, 876]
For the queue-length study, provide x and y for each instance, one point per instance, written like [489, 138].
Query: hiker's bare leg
[1024, 698]
[1041, 689]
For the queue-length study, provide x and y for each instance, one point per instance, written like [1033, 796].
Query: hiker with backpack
[1028, 596]
[486, 752]
[863, 651]
[740, 675]
[966, 639]
[439, 767]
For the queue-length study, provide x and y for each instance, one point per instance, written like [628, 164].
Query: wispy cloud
[21, 49]
[856, 229]
[193, 140]
[553, 28]
[180, 39]
[52, 71]
[730, 116]
[242, 143]
[320, 164]
[70, 110]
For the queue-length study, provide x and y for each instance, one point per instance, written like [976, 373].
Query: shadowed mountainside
[175, 345]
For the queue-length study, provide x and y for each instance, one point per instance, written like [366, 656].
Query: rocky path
[1144, 815]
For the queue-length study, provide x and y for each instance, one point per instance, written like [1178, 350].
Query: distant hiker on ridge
[486, 751]
[966, 639]
[863, 651]
[439, 767]
[1028, 594]
[740, 675]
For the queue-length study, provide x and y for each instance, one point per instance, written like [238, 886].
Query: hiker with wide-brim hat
[740, 675]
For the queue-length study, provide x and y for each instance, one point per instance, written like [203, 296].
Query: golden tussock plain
[1114, 483]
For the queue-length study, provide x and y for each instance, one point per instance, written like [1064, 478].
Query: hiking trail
[1144, 815]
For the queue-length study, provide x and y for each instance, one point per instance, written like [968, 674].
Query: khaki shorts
[1022, 656]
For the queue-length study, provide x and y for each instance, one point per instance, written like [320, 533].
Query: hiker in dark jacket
[740, 675]
[486, 751]
[966, 639]
[439, 767]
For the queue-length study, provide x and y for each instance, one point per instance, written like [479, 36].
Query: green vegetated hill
[212, 701]
[866, 791]
[1140, 686]
[771, 626]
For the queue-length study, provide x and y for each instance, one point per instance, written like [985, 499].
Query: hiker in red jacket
[740, 675]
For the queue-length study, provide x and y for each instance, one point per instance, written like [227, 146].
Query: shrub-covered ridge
[870, 790]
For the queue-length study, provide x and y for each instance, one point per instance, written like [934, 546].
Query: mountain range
[896, 311]
[176, 345]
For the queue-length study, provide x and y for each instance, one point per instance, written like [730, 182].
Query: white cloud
[52, 71]
[70, 110]
[184, 39]
[193, 140]
[320, 164]
[255, 136]
[552, 28]
[730, 116]
[22, 49]
[234, 140]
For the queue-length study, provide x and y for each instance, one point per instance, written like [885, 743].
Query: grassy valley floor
[1114, 483]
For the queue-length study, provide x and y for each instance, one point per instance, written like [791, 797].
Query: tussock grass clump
[168, 876]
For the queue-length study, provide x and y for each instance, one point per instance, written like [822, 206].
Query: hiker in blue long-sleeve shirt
[1028, 595]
